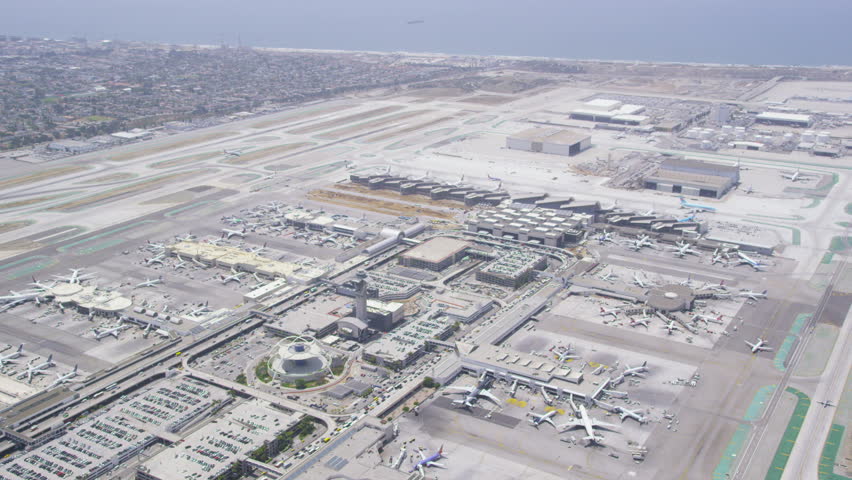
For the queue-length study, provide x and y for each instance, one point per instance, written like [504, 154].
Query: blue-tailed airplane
[746, 260]
[430, 461]
[695, 206]
[686, 219]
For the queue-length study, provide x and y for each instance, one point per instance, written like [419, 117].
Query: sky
[804, 32]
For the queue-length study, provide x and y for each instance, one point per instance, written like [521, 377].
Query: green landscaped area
[819, 348]
[776, 469]
[815, 201]
[840, 244]
[829, 454]
[261, 371]
[849, 208]
[754, 412]
[826, 258]
[784, 349]
[844, 224]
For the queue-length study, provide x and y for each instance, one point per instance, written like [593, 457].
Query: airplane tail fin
[441, 450]
[20, 348]
[75, 369]
[50, 358]
[645, 363]
[764, 291]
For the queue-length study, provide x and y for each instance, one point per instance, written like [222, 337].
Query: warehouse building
[693, 177]
[435, 254]
[549, 140]
[221, 448]
[787, 119]
[610, 111]
[513, 269]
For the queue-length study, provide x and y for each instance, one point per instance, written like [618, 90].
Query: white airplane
[147, 331]
[185, 238]
[752, 295]
[607, 276]
[21, 297]
[227, 233]
[634, 414]
[37, 284]
[149, 282]
[538, 419]
[671, 327]
[707, 318]
[635, 371]
[610, 311]
[154, 247]
[796, 176]
[8, 358]
[636, 323]
[198, 311]
[472, 394]
[759, 346]
[459, 183]
[494, 178]
[719, 287]
[232, 153]
[605, 237]
[682, 249]
[641, 283]
[718, 257]
[180, 264]
[153, 260]
[589, 424]
[99, 334]
[259, 250]
[63, 379]
[746, 260]
[33, 370]
[643, 241]
[235, 277]
[75, 276]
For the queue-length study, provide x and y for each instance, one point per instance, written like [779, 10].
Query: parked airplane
[37, 284]
[610, 311]
[671, 327]
[745, 259]
[75, 276]
[718, 257]
[185, 238]
[232, 153]
[607, 276]
[796, 176]
[227, 233]
[197, 311]
[752, 295]
[695, 206]
[641, 283]
[537, 419]
[690, 218]
[636, 323]
[494, 178]
[33, 370]
[430, 461]
[180, 264]
[99, 334]
[63, 379]
[20, 297]
[153, 260]
[235, 277]
[461, 181]
[649, 213]
[472, 394]
[589, 424]
[826, 403]
[719, 287]
[9, 357]
[634, 414]
[682, 249]
[149, 282]
[707, 318]
[635, 371]
[154, 247]
[605, 237]
[642, 241]
[759, 346]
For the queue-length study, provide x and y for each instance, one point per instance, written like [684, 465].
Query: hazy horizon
[784, 32]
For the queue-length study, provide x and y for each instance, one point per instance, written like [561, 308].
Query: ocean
[789, 32]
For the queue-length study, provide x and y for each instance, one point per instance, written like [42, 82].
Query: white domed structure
[300, 357]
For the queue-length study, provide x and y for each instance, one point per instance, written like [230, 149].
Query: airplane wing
[572, 423]
[421, 454]
[490, 396]
[603, 425]
[435, 464]
[460, 389]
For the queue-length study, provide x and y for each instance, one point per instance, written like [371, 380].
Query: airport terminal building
[549, 140]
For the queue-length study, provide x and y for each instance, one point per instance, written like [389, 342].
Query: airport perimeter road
[805, 457]
[837, 366]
